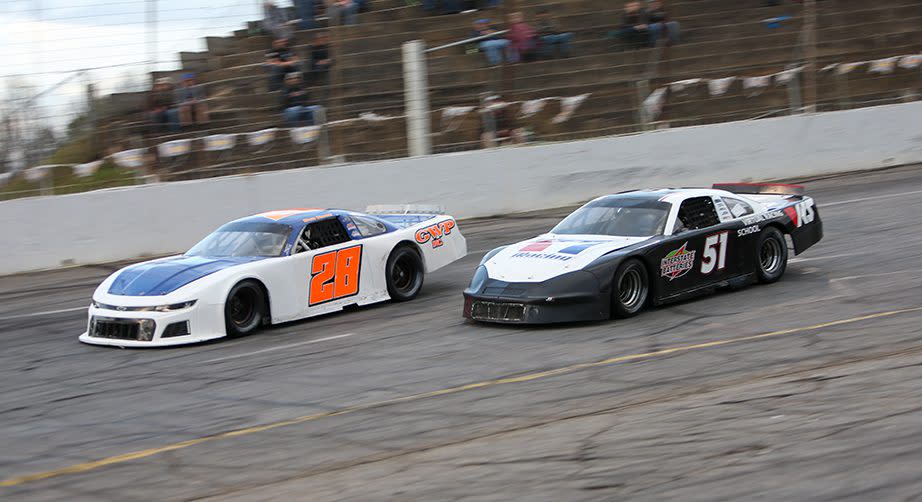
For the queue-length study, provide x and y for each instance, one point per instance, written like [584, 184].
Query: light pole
[809, 72]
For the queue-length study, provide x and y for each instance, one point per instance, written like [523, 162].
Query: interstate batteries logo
[677, 263]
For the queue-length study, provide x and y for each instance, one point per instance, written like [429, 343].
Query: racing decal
[434, 233]
[714, 256]
[578, 248]
[754, 229]
[284, 213]
[335, 275]
[545, 256]
[677, 263]
[759, 218]
[537, 246]
[800, 213]
[318, 217]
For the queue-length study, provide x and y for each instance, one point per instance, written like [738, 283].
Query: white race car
[270, 268]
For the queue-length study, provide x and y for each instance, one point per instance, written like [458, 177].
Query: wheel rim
[770, 256]
[631, 289]
[403, 275]
[243, 307]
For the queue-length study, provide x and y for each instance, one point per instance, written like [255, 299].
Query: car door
[742, 238]
[334, 266]
[698, 253]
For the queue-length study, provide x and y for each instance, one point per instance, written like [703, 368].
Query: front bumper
[195, 324]
[577, 298]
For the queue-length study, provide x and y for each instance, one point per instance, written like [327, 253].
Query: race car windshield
[617, 216]
[243, 239]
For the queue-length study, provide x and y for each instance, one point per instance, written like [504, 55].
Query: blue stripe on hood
[161, 277]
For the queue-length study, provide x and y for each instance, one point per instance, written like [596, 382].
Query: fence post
[796, 105]
[416, 97]
[323, 142]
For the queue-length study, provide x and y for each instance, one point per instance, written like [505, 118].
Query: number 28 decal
[715, 253]
[335, 275]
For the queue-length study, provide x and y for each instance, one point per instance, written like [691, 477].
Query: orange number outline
[335, 275]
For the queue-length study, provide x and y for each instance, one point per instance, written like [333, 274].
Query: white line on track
[38, 314]
[882, 274]
[873, 197]
[280, 347]
[827, 257]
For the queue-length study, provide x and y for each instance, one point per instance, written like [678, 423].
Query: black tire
[244, 309]
[771, 255]
[404, 273]
[629, 289]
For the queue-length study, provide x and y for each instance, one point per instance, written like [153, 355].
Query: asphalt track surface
[805, 389]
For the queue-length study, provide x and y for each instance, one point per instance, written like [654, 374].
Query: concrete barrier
[124, 223]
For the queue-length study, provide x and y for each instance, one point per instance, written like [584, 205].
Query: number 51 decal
[334, 275]
[715, 253]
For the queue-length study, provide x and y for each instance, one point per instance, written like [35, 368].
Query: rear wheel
[772, 257]
[630, 289]
[244, 309]
[405, 273]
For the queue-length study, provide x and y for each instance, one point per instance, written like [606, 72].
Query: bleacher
[721, 38]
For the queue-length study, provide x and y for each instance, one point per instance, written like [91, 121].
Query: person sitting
[190, 97]
[342, 12]
[161, 110]
[281, 60]
[494, 46]
[634, 30]
[295, 102]
[553, 40]
[522, 39]
[658, 22]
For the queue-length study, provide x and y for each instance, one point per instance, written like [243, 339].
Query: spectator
[275, 21]
[161, 110]
[320, 54]
[342, 12]
[494, 46]
[495, 123]
[191, 99]
[281, 60]
[634, 30]
[553, 40]
[305, 10]
[658, 22]
[295, 102]
[523, 41]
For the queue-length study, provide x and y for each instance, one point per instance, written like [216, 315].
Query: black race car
[620, 252]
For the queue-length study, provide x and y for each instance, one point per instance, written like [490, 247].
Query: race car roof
[295, 216]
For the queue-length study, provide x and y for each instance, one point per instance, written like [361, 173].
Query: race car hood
[162, 277]
[547, 256]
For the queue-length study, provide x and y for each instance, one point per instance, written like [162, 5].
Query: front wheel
[244, 309]
[630, 289]
[405, 273]
[772, 257]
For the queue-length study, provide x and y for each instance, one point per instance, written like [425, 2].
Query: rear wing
[761, 188]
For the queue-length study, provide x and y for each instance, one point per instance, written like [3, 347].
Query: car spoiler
[761, 188]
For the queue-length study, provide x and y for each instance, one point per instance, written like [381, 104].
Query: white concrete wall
[115, 224]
